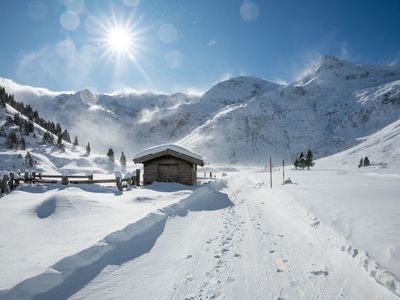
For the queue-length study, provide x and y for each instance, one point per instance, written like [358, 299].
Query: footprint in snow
[237, 255]
[189, 256]
[281, 235]
[271, 251]
[323, 271]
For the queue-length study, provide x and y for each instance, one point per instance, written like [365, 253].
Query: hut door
[168, 172]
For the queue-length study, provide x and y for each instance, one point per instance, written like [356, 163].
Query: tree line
[111, 158]
[304, 161]
[26, 126]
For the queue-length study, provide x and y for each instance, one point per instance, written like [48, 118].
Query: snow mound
[58, 203]
[46, 208]
[70, 274]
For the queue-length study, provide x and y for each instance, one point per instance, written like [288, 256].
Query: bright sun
[120, 40]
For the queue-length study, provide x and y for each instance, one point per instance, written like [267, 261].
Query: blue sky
[187, 45]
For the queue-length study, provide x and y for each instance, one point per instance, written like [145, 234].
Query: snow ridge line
[72, 273]
[382, 276]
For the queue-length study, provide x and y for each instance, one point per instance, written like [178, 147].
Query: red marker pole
[270, 171]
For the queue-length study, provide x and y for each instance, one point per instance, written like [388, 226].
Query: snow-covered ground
[231, 239]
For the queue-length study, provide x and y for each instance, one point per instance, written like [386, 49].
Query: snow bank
[362, 208]
[73, 272]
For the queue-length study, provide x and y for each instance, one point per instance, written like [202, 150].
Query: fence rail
[10, 181]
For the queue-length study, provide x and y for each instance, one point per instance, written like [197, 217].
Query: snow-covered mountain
[47, 157]
[243, 119]
[327, 110]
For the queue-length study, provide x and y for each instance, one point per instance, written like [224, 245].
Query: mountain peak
[87, 96]
[328, 62]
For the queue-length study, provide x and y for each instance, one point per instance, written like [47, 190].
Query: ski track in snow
[260, 248]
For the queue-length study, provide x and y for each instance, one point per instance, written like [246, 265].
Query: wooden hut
[169, 163]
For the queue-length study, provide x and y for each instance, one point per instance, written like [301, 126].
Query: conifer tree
[22, 145]
[296, 163]
[361, 163]
[59, 141]
[88, 150]
[12, 140]
[302, 161]
[28, 161]
[366, 162]
[76, 143]
[309, 159]
[110, 154]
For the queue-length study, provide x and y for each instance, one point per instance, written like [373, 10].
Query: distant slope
[49, 158]
[382, 148]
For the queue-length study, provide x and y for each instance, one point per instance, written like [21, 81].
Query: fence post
[118, 180]
[138, 177]
[133, 179]
[64, 177]
[4, 183]
[26, 177]
[11, 181]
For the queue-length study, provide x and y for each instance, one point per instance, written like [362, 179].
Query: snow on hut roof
[164, 148]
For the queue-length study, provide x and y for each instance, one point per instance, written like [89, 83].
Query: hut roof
[168, 149]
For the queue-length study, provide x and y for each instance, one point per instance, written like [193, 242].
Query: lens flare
[120, 40]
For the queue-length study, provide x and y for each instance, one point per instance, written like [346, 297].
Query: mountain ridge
[243, 119]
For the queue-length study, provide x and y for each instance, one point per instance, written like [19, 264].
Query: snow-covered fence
[8, 181]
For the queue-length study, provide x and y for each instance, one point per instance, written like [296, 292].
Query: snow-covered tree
[366, 162]
[76, 143]
[22, 144]
[29, 161]
[361, 163]
[110, 154]
[12, 140]
[88, 150]
[302, 161]
[296, 163]
[309, 159]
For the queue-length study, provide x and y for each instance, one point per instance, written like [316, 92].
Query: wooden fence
[9, 181]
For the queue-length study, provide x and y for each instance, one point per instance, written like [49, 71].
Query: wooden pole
[283, 171]
[270, 171]
[138, 177]
[4, 184]
[11, 181]
[118, 181]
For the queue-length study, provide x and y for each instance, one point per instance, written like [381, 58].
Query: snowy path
[263, 247]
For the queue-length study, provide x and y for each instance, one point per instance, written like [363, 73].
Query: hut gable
[169, 163]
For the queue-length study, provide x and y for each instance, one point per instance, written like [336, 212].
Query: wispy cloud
[58, 63]
[211, 43]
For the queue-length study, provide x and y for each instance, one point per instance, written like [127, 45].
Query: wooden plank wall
[186, 170]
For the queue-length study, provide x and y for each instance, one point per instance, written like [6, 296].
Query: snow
[56, 221]
[164, 147]
[333, 234]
